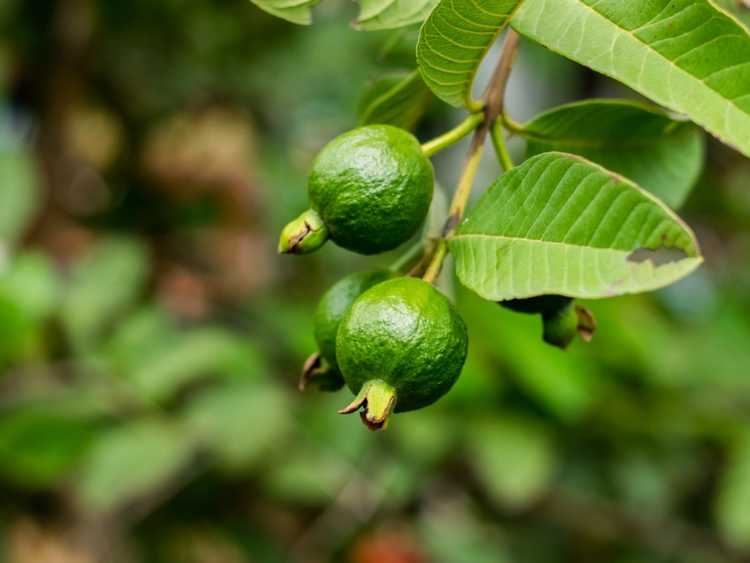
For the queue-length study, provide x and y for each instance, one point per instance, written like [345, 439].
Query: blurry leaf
[513, 458]
[139, 338]
[19, 194]
[4, 67]
[425, 436]
[390, 14]
[32, 282]
[295, 11]
[561, 225]
[398, 100]
[29, 294]
[449, 53]
[17, 330]
[738, 8]
[288, 325]
[338, 435]
[643, 143]
[307, 475]
[643, 482]
[687, 56]
[103, 284]
[190, 356]
[453, 534]
[733, 497]
[398, 50]
[239, 422]
[132, 460]
[39, 446]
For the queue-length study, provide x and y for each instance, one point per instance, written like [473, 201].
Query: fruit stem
[405, 261]
[494, 97]
[305, 234]
[501, 148]
[511, 124]
[454, 135]
[377, 400]
[433, 270]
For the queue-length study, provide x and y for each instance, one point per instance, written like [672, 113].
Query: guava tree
[589, 214]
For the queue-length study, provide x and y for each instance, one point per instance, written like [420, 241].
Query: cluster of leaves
[601, 225]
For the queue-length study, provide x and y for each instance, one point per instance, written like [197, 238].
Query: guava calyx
[562, 326]
[307, 233]
[319, 374]
[377, 400]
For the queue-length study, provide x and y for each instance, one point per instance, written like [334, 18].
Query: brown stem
[493, 98]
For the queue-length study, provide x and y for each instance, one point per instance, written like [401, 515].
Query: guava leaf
[453, 41]
[559, 224]
[686, 55]
[295, 11]
[658, 152]
[390, 14]
[399, 100]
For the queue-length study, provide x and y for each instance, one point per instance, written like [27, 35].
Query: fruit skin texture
[372, 187]
[405, 335]
[335, 303]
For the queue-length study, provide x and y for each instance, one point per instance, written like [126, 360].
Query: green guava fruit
[400, 347]
[370, 190]
[562, 319]
[321, 369]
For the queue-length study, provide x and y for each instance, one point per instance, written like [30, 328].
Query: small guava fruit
[321, 369]
[370, 190]
[400, 347]
[562, 319]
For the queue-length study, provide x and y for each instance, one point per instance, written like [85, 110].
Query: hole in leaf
[658, 257]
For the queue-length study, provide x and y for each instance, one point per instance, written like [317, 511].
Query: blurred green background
[150, 338]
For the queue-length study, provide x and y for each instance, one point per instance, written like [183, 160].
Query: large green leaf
[453, 42]
[684, 54]
[560, 224]
[295, 11]
[398, 100]
[390, 14]
[643, 143]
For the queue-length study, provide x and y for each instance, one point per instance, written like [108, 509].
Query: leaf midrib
[569, 245]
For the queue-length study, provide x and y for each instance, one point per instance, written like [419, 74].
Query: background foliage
[150, 339]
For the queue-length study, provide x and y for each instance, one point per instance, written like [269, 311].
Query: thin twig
[453, 136]
[498, 140]
[493, 98]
